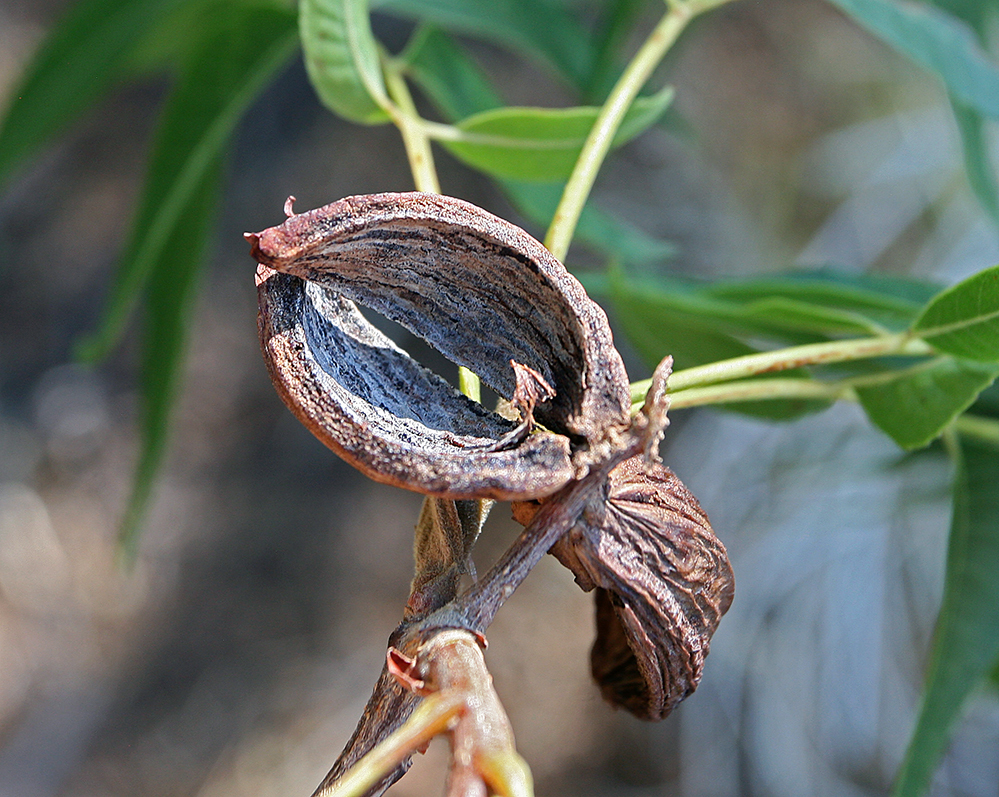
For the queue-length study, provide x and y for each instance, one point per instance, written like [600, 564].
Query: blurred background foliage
[235, 653]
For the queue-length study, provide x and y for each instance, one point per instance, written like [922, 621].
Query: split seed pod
[662, 581]
[481, 291]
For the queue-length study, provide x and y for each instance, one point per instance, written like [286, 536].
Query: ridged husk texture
[481, 291]
[662, 581]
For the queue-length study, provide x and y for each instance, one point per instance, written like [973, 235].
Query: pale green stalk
[757, 390]
[984, 429]
[902, 344]
[414, 137]
[598, 142]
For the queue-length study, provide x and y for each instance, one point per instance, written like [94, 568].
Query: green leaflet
[239, 54]
[543, 30]
[167, 44]
[168, 303]
[794, 308]
[936, 41]
[456, 85]
[658, 323]
[916, 405]
[966, 642]
[341, 58]
[964, 319]
[891, 302]
[240, 50]
[977, 165]
[542, 144]
[79, 61]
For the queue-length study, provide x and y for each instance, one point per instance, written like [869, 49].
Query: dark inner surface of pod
[384, 412]
[471, 299]
[378, 383]
[479, 290]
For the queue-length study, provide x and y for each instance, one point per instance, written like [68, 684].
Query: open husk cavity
[482, 292]
[491, 298]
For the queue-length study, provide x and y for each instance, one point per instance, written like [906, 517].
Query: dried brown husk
[482, 292]
[662, 580]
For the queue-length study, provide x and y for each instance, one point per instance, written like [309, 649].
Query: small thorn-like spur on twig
[583, 474]
[449, 673]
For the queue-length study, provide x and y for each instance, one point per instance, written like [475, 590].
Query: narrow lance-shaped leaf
[936, 41]
[964, 319]
[695, 329]
[239, 53]
[914, 407]
[966, 642]
[977, 164]
[542, 30]
[78, 62]
[168, 44]
[891, 302]
[747, 311]
[167, 319]
[458, 87]
[341, 57]
[603, 231]
[542, 144]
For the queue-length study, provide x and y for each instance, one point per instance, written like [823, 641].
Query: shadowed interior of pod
[479, 290]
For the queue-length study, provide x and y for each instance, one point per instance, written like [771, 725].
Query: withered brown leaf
[662, 581]
[480, 290]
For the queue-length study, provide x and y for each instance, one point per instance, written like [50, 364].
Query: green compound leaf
[79, 61]
[341, 58]
[602, 231]
[168, 304]
[937, 41]
[543, 30]
[914, 407]
[657, 325]
[966, 643]
[890, 302]
[964, 320]
[977, 165]
[542, 144]
[458, 88]
[239, 54]
[449, 77]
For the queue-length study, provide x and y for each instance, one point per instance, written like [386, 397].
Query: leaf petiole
[901, 344]
[414, 134]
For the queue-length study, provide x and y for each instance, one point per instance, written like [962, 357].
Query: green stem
[902, 344]
[414, 136]
[985, 429]
[469, 384]
[601, 136]
[421, 163]
[757, 390]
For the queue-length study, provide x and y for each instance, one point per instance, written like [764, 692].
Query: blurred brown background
[235, 657]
